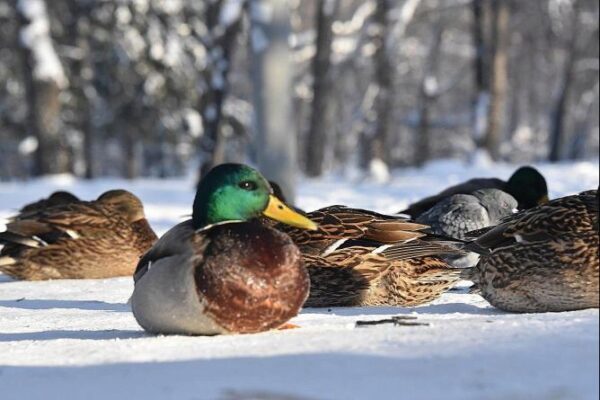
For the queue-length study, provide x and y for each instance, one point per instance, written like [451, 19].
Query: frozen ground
[67, 339]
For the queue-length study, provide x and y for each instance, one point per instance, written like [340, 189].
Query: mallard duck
[224, 271]
[527, 185]
[55, 199]
[362, 258]
[544, 259]
[79, 240]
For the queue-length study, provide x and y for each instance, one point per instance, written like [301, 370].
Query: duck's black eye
[248, 185]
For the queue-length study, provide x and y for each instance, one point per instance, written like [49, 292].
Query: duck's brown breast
[252, 278]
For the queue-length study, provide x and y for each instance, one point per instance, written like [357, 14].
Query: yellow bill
[278, 211]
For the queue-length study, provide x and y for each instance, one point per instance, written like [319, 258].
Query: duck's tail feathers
[13, 238]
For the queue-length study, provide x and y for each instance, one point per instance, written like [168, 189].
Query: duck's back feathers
[339, 225]
[421, 206]
[455, 216]
[553, 221]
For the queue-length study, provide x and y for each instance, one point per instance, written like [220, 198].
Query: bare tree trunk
[131, 170]
[379, 144]
[322, 112]
[501, 39]
[481, 68]
[220, 43]
[559, 110]
[427, 95]
[583, 125]
[384, 78]
[82, 74]
[272, 76]
[44, 80]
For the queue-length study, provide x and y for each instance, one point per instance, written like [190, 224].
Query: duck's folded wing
[419, 207]
[178, 240]
[48, 226]
[339, 225]
[456, 216]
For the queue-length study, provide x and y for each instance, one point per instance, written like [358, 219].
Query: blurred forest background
[153, 87]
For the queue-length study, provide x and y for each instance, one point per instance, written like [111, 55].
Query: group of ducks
[247, 262]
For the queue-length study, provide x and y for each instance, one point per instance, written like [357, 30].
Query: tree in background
[223, 22]
[272, 77]
[491, 39]
[156, 87]
[499, 76]
[321, 119]
[44, 79]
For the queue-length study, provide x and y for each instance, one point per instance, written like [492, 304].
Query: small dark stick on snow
[400, 320]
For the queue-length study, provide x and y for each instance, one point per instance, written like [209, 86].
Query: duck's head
[62, 197]
[235, 192]
[529, 187]
[126, 203]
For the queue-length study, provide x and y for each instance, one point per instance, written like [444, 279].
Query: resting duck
[362, 258]
[542, 260]
[78, 240]
[527, 185]
[224, 271]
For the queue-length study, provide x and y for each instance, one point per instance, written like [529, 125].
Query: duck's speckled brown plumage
[247, 278]
[383, 260]
[544, 259]
[78, 240]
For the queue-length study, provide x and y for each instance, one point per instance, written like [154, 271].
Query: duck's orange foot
[285, 327]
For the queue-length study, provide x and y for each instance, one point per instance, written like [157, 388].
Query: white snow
[77, 339]
[35, 35]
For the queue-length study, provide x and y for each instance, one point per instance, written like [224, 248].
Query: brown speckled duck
[77, 240]
[225, 271]
[362, 258]
[542, 260]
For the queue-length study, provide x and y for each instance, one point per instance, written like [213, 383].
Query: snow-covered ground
[77, 339]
